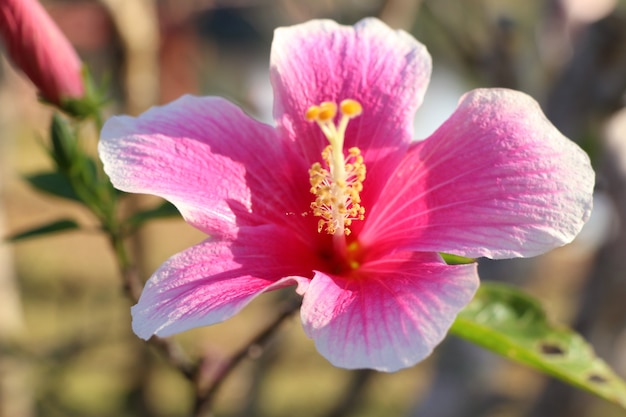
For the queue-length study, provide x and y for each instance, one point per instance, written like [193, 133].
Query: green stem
[130, 276]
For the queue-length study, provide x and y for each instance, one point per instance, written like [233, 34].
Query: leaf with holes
[511, 323]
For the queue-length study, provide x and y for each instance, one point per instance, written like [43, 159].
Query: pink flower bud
[37, 46]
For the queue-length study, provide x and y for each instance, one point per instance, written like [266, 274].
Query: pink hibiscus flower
[339, 201]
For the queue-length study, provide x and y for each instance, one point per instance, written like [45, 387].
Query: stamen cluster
[338, 202]
[337, 184]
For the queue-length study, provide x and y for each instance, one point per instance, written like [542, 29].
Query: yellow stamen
[328, 111]
[337, 186]
[312, 113]
[351, 108]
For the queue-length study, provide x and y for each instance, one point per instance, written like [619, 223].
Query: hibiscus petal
[212, 281]
[387, 71]
[391, 315]
[210, 159]
[497, 179]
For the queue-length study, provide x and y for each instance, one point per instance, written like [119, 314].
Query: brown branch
[253, 349]
[133, 286]
[353, 394]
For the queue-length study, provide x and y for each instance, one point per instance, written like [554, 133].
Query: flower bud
[38, 47]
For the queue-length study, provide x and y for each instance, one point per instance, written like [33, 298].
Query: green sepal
[509, 322]
[90, 105]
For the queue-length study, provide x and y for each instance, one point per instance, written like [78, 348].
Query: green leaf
[456, 259]
[509, 322]
[53, 183]
[165, 209]
[54, 227]
[64, 142]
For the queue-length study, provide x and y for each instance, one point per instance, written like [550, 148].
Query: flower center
[337, 182]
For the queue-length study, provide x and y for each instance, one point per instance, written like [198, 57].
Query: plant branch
[205, 397]
[354, 393]
[133, 287]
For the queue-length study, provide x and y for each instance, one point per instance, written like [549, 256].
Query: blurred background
[66, 348]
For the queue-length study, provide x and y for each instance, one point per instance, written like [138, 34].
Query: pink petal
[212, 281]
[386, 70]
[497, 179]
[216, 164]
[391, 315]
